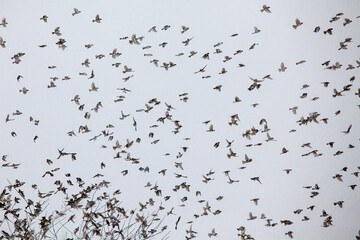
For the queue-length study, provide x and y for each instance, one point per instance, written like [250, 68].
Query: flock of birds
[121, 149]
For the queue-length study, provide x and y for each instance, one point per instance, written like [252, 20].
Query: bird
[201, 69]
[2, 42]
[339, 203]
[290, 234]
[253, 46]
[231, 153]
[44, 18]
[24, 90]
[76, 11]
[284, 150]
[8, 118]
[223, 71]
[57, 31]
[328, 31]
[256, 179]
[135, 124]
[3, 22]
[211, 128]
[213, 233]
[93, 87]
[255, 200]
[348, 130]
[251, 216]
[187, 41]
[298, 23]
[218, 88]
[166, 27]
[97, 19]
[347, 21]
[256, 30]
[86, 63]
[265, 9]
[114, 54]
[300, 62]
[184, 29]
[282, 67]
[338, 177]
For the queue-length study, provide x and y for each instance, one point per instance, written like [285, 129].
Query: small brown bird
[290, 234]
[284, 150]
[201, 70]
[76, 11]
[326, 84]
[256, 179]
[177, 222]
[328, 31]
[256, 30]
[255, 200]
[2, 42]
[339, 203]
[298, 23]
[282, 67]
[253, 46]
[97, 19]
[213, 233]
[211, 128]
[348, 130]
[184, 29]
[338, 177]
[44, 18]
[166, 27]
[134, 124]
[251, 216]
[24, 90]
[57, 31]
[265, 9]
[218, 87]
[4, 23]
[93, 87]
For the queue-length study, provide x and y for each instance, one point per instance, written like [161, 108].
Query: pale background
[210, 22]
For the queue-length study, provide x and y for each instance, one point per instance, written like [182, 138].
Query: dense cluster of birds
[121, 148]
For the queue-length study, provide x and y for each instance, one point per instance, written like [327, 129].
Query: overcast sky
[230, 23]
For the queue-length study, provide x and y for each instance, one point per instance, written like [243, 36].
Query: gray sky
[209, 23]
